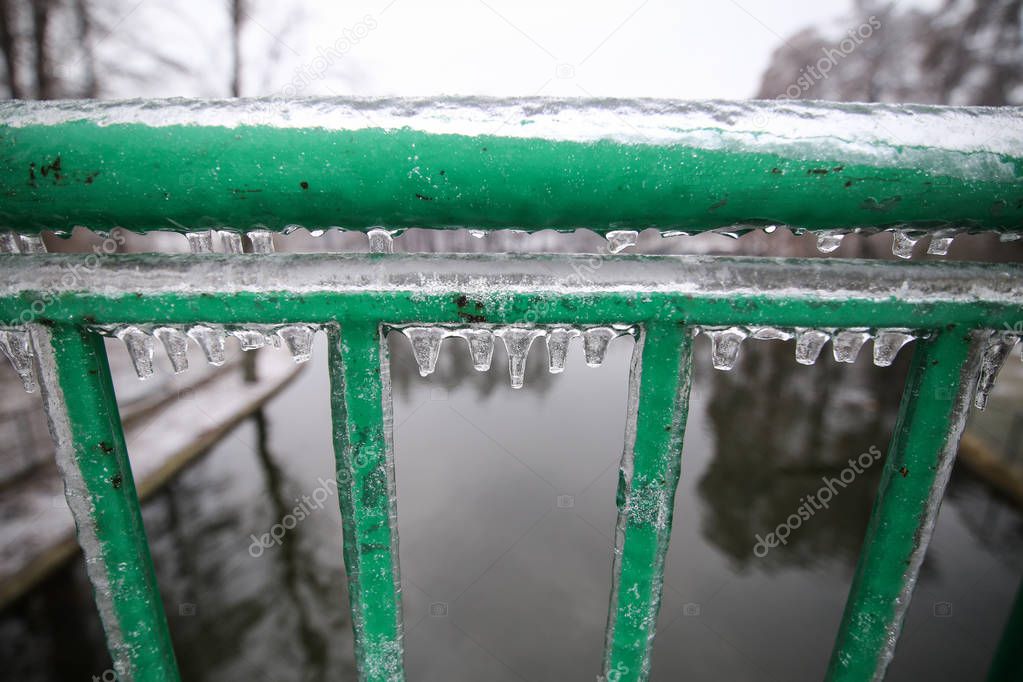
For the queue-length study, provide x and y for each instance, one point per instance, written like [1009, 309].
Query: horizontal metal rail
[509, 289]
[526, 164]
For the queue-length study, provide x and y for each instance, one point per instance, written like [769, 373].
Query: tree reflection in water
[779, 428]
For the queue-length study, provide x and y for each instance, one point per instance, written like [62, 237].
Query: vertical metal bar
[651, 461]
[1007, 664]
[361, 404]
[935, 404]
[100, 490]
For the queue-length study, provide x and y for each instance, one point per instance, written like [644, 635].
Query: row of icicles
[382, 240]
[426, 342]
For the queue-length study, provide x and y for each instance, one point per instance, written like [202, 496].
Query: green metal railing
[382, 166]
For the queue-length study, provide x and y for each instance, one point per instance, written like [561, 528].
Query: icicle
[517, 342]
[809, 343]
[176, 344]
[232, 241]
[888, 343]
[829, 240]
[618, 240]
[846, 344]
[998, 349]
[211, 341]
[595, 343]
[249, 339]
[9, 242]
[200, 242]
[481, 346]
[724, 346]
[299, 340]
[769, 334]
[903, 243]
[674, 233]
[17, 346]
[32, 243]
[262, 241]
[380, 241]
[140, 347]
[426, 342]
[557, 348]
[940, 242]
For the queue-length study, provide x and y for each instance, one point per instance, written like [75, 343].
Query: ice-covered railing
[231, 175]
[221, 169]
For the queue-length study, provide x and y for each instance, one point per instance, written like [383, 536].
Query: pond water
[506, 514]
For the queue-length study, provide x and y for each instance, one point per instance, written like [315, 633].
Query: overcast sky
[655, 48]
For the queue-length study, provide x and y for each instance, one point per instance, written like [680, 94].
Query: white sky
[629, 48]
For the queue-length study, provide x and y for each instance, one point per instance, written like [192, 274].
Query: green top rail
[527, 164]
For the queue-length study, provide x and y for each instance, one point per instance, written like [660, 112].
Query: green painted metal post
[100, 490]
[934, 406]
[658, 406]
[360, 400]
[1007, 664]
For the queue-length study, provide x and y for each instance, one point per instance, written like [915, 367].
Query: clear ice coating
[846, 344]
[211, 341]
[481, 346]
[769, 334]
[200, 242]
[595, 341]
[940, 242]
[140, 347]
[809, 343]
[903, 243]
[17, 346]
[998, 348]
[9, 243]
[232, 241]
[175, 342]
[725, 345]
[477, 234]
[557, 347]
[32, 243]
[262, 241]
[380, 241]
[888, 343]
[619, 240]
[299, 340]
[426, 343]
[517, 341]
[249, 339]
[829, 240]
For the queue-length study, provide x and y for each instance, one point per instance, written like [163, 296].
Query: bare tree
[237, 19]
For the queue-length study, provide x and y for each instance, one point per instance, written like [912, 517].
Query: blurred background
[506, 564]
